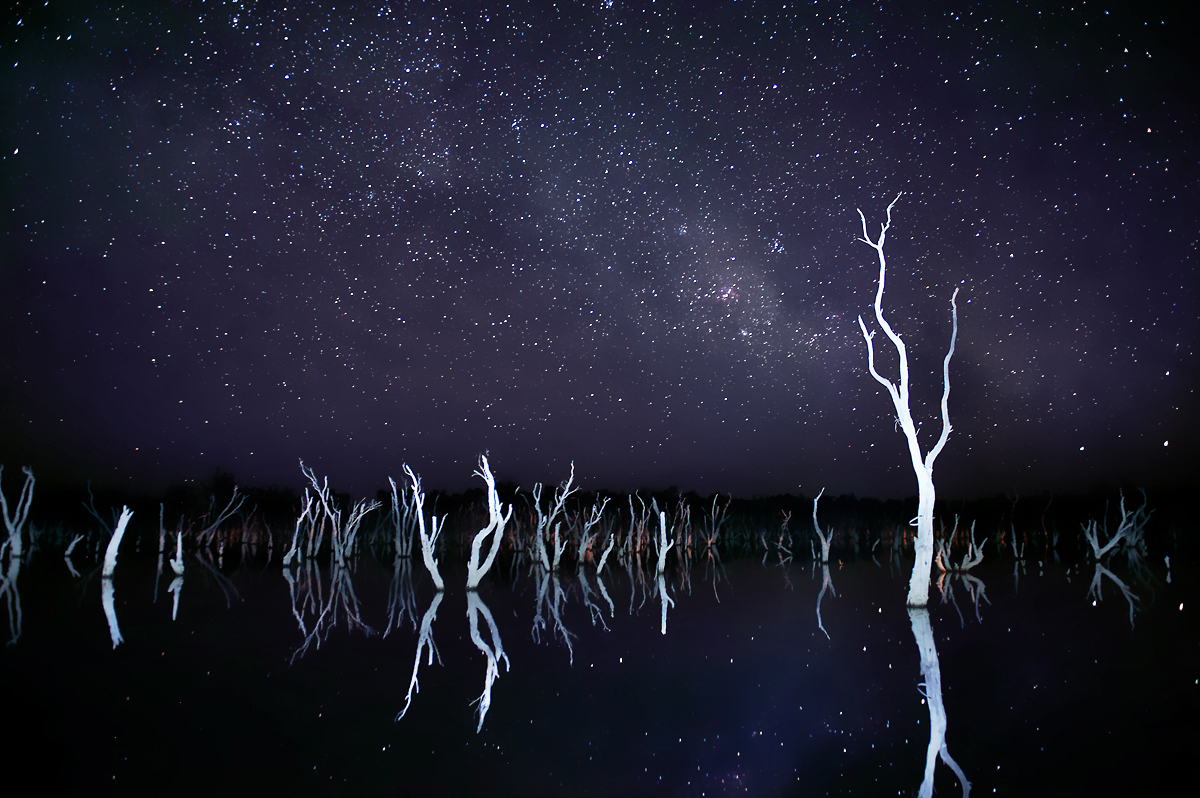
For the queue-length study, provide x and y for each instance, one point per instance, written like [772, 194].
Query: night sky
[239, 234]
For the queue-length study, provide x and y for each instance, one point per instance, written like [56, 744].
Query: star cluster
[623, 234]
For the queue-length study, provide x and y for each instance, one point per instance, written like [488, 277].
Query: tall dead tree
[918, 586]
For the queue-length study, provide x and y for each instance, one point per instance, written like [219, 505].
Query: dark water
[1043, 691]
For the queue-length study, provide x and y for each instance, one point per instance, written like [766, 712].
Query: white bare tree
[825, 536]
[114, 543]
[545, 523]
[495, 528]
[16, 521]
[428, 540]
[663, 544]
[918, 586]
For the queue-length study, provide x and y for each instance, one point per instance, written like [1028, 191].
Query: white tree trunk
[918, 583]
[495, 528]
[107, 600]
[428, 540]
[918, 586]
[114, 543]
[664, 545]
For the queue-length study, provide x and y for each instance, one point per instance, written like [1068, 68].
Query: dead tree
[826, 537]
[973, 557]
[428, 541]
[343, 536]
[918, 586]
[495, 528]
[547, 522]
[1132, 530]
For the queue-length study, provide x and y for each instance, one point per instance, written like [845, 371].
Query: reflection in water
[826, 584]
[308, 597]
[176, 587]
[597, 614]
[212, 570]
[667, 601]
[930, 669]
[712, 562]
[12, 596]
[67, 555]
[177, 562]
[110, 610]
[975, 590]
[554, 605]
[494, 653]
[1094, 590]
[402, 596]
[612, 610]
[626, 685]
[424, 641]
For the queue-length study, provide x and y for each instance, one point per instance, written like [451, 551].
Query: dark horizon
[617, 234]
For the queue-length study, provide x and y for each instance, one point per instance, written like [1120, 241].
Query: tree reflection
[667, 601]
[826, 584]
[555, 606]
[476, 607]
[402, 596]
[1094, 590]
[12, 597]
[932, 690]
[424, 641]
[976, 591]
[107, 595]
[308, 598]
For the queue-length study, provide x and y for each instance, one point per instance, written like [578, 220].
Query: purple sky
[616, 233]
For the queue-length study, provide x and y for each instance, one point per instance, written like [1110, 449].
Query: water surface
[292, 681]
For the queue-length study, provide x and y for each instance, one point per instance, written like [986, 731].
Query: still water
[301, 680]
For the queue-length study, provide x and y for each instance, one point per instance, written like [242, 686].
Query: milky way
[619, 234]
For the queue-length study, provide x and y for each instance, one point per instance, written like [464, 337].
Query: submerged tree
[495, 528]
[918, 586]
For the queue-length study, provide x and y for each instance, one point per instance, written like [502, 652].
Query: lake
[279, 680]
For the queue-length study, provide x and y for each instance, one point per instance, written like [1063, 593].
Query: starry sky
[623, 234]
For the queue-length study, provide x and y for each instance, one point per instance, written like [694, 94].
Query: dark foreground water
[267, 682]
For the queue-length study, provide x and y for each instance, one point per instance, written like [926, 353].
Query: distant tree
[918, 585]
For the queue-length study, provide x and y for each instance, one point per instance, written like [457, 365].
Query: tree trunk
[918, 584]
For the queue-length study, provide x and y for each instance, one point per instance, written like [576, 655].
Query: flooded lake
[758, 677]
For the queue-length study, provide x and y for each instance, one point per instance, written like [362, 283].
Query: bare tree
[662, 543]
[547, 522]
[343, 536]
[1132, 529]
[495, 528]
[114, 543]
[428, 540]
[826, 537]
[918, 586]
